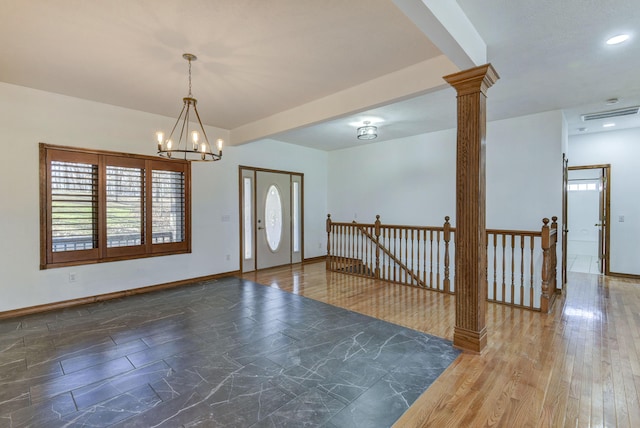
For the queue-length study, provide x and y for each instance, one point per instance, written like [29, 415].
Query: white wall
[407, 181]
[621, 149]
[412, 180]
[28, 117]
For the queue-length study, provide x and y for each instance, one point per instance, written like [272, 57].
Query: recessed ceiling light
[618, 39]
[582, 129]
[608, 125]
[612, 101]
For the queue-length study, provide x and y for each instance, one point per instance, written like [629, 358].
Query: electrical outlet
[72, 277]
[621, 219]
[228, 257]
[320, 245]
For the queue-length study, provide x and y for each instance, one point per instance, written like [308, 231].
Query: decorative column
[471, 85]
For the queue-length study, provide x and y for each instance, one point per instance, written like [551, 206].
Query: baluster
[357, 238]
[424, 256]
[363, 255]
[554, 271]
[438, 283]
[447, 238]
[544, 297]
[328, 228]
[522, 238]
[418, 255]
[412, 259]
[343, 244]
[387, 237]
[532, 242]
[367, 252]
[504, 267]
[495, 266]
[513, 267]
[406, 256]
[352, 250]
[394, 254]
[377, 232]
[431, 259]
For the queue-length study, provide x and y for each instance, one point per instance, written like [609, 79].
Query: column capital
[473, 80]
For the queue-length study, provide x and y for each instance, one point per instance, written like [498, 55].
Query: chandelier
[368, 131]
[189, 144]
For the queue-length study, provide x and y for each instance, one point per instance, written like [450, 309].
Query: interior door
[588, 204]
[565, 229]
[273, 219]
[602, 222]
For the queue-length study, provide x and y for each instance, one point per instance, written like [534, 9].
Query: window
[273, 217]
[247, 220]
[100, 206]
[581, 187]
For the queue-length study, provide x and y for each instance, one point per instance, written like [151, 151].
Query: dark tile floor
[219, 353]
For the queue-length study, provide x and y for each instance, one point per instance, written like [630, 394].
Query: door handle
[598, 224]
[260, 228]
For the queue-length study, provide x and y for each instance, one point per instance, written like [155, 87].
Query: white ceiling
[257, 59]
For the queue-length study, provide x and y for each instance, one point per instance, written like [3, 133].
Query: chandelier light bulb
[194, 138]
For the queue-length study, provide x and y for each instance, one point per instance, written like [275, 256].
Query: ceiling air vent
[610, 113]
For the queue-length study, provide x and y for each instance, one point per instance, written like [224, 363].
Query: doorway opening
[271, 218]
[587, 199]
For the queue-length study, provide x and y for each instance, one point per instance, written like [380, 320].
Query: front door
[273, 218]
[271, 204]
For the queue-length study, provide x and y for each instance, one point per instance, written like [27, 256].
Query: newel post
[447, 238]
[377, 232]
[470, 332]
[546, 241]
[328, 261]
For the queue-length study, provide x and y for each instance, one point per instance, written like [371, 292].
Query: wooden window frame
[50, 259]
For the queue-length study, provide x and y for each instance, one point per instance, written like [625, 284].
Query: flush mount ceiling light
[615, 40]
[608, 125]
[198, 149]
[368, 131]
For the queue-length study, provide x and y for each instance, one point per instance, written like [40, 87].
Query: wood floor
[576, 367]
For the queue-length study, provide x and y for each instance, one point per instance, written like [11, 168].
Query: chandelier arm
[184, 123]
[177, 121]
[204, 133]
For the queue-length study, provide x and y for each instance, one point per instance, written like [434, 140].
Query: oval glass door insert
[273, 217]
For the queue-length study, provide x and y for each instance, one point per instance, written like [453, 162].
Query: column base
[469, 340]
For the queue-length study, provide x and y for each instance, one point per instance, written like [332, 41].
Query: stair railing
[411, 255]
[521, 265]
